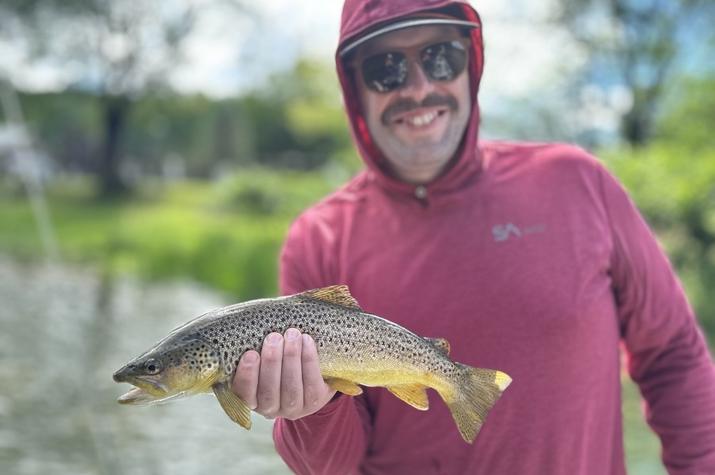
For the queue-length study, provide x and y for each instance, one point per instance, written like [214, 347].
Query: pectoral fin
[344, 386]
[233, 405]
[414, 394]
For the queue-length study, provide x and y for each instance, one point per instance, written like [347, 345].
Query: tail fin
[475, 392]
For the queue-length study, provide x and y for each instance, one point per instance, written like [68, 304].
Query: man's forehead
[409, 37]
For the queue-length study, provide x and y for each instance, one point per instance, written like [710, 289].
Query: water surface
[63, 332]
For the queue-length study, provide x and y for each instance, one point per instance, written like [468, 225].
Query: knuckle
[291, 350]
[309, 357]
[290, 400]
[242, 387]
[290, 381]
[244, 375]
[240, 390]
[271, 355]
[267, 410]
[311, 400]
[266, 400]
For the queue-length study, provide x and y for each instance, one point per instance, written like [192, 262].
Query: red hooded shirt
[527, 258]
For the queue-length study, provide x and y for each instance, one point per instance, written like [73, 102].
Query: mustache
[406, 105]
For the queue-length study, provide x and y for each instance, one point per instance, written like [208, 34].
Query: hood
[360, 17]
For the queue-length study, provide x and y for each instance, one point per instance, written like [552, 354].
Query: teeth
[423, 119]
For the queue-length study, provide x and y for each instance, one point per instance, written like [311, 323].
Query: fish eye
[152, 366]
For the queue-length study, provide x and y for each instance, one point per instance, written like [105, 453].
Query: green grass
[641, 444]
[225, 234]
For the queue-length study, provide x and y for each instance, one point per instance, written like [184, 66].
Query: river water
[63, 332]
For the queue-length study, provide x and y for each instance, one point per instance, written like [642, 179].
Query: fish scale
[354, 348]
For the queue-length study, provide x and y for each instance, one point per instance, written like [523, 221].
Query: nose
[120, 375]
[418, 85]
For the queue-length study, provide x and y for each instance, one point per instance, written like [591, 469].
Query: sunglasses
[386, 72]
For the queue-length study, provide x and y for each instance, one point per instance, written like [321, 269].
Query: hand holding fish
[298, 374]
[284, 380]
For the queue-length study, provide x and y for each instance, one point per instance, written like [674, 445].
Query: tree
[296, 119]
[688, 120]
[638, 43]
[117, 49]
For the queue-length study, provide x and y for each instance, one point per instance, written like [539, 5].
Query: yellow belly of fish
[407, 382]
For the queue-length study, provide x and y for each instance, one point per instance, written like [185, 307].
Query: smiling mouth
[420, 120]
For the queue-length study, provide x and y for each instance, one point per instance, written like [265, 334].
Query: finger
[245, 381]
[269, 378]
[315, 392]
[291, 374]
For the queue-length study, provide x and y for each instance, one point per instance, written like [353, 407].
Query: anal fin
[235, 408]
[344, 386]
[413, 394]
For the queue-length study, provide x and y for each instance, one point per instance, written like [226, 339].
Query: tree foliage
[641, 43]
[673, 183]
[116, 49]
[689, 119]
[296, 122]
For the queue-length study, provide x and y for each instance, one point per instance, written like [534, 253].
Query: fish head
[175, 367]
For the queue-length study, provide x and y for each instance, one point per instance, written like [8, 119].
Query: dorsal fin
[335, 294]
[441, 344]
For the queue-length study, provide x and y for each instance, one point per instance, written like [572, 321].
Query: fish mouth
[147, 388]
[144, 392]
[139, 397]
[136, 396]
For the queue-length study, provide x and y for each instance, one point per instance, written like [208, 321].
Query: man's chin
[419, 158]
[419, 137]
[425, 151]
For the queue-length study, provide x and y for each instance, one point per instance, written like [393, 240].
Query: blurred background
[153, 154]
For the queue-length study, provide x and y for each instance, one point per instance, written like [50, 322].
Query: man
[528, 258]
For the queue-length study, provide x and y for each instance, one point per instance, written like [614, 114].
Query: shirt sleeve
[334, 439]
[667, 354]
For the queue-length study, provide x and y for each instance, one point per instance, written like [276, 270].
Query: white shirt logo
[502, 232]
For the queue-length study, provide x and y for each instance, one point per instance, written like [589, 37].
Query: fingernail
[292, 334]
[250, 357]
[274, 338]
[306, 339]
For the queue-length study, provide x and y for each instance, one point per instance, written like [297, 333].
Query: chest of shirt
[496, 265]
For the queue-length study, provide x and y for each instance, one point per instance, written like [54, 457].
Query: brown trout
[354, 348]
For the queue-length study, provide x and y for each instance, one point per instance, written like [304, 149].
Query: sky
[521, 56]
[527, 59]
[229, 52]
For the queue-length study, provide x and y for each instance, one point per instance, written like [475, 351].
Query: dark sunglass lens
[385, 72]
[444, 61]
